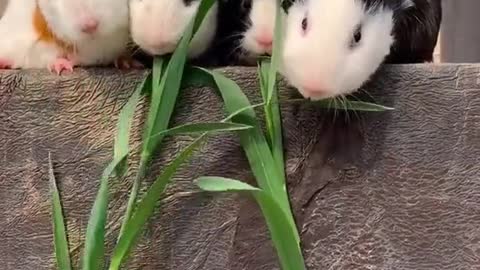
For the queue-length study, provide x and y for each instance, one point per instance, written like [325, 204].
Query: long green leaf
[59, 233]
[203, 127]
[276, 51]
[147, 206]
[161, 110]
[283, 235]
[273, 119]
[148, 203]
[94, 240]
[164, 96]
[125, 119]
[222, 184]
[252, 140]
[95, 235]
[351, 105]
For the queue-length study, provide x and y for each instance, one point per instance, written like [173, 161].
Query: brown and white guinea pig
[157, 26]
[332, 48]
[245, 32]
[62, 34]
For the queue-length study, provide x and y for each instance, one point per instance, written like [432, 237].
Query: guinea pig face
[157, 25]
[333, 47]
[258, 37]
[81, 21]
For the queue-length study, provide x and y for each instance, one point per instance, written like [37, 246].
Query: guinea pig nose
[89, 25]
[314, 89]
[265, 41]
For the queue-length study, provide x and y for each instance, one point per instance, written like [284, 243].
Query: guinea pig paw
[127, 63]
[61, 64]
[5, 63]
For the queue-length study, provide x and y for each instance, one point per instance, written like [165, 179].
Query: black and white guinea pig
[157, 26]
[332, 48]
[245, 31]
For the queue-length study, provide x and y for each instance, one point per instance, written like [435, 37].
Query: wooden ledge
[390, 190]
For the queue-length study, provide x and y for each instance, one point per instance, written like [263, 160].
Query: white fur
[261, 23]
[111, 38]
[158, 25]
[21, 47]
[25, 51]
[321, 63]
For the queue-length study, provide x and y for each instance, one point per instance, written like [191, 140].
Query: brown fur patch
[45, 33]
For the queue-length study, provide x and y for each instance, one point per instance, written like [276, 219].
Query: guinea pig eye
[357, 35]
[304, 24]
[188, 2]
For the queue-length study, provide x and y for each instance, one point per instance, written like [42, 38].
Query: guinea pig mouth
[159, 49]
[314, 95]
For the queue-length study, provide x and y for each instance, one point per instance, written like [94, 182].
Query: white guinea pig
[332, 48]
[157, 25]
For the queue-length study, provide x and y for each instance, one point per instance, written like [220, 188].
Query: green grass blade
[94, 239]
[147, 206]
[222, 184]
[203, 127]
[59, 233]
[161, 110]
[157, 72]
[352, 105]
[125, 119]
[283, 235]
[253, 140]
[95, 236]
[164, 96]
[273, 119]
[254, 143]
[276, 50]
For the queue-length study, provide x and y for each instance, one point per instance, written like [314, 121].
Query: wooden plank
[460, 38]
[396, 190]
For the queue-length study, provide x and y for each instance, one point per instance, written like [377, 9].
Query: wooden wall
[460, 35]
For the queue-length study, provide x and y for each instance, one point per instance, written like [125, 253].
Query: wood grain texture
[392, 190]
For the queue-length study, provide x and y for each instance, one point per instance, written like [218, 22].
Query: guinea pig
[61, 34]
[245, 31]
[332, 48]
[157, 26]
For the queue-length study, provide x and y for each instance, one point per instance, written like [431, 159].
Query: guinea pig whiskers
[233, 37]
[238, 49]
[334, 109]
[136, 49]
[344, 103]
[368, 94]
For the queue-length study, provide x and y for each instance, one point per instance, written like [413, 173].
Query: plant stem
[133, 193]
[289, 254]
